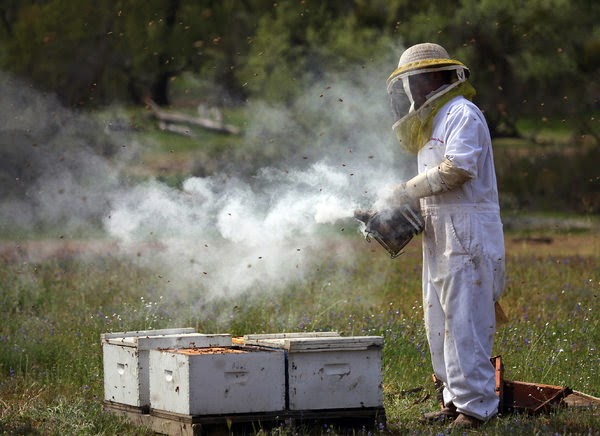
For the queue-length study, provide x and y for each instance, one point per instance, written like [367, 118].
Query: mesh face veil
[400, 98]
[410, 123]
[402, 102]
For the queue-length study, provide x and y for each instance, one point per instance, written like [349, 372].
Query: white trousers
[463, 274]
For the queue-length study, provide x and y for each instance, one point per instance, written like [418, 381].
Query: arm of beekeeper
[444, 177]
[441, 178]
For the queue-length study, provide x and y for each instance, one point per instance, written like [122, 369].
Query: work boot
[445, 414]
[464, 422]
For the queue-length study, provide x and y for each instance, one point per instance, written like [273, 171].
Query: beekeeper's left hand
[395, 197]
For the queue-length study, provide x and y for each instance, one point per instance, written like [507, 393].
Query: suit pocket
[459, 233]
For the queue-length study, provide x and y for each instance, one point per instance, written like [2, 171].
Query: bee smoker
[392, 228]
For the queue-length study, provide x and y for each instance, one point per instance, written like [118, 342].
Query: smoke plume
[329, 153]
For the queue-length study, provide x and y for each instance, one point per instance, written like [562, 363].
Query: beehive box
[126, 354]
[330, 372]
[217, 381]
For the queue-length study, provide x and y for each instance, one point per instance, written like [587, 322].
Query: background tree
[56, 46]
[296, 42]
[159, 40]
[539, 58]
[125, 50]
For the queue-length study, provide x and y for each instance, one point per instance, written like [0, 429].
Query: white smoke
[223, 235]
[332, 151]
[54, 171]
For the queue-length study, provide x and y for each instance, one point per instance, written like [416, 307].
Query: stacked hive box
[126, 360]
[178, 381]
[326, 371]
[216, 381]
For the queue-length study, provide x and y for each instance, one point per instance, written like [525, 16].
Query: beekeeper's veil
[413, 125]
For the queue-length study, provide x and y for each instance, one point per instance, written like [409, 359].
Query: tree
[127, 49]
[297, 41]
[61, 58]
[536, 58]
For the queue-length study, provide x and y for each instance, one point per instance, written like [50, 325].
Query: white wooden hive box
[126, 365]
[331, 372]
[219, 381]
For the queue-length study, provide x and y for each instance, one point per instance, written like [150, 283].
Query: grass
[54, 307]
[53, 310]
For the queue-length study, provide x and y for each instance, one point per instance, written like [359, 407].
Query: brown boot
[463, 421]
[445, 414]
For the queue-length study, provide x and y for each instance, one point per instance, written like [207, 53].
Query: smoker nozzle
[363, 215]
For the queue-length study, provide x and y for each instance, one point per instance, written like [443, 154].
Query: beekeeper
[463, 242]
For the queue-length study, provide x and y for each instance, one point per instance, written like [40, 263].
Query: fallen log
[171, 118]
[175, 128]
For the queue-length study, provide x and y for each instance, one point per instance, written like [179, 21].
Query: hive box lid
[279, 338]
[322, 343]
[138, 333]
[152, 341]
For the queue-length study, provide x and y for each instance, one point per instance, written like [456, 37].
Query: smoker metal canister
[392, 228]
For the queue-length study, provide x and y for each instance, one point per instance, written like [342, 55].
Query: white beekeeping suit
[463, 242]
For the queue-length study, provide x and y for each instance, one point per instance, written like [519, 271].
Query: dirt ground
[583, 244]
[540, 244]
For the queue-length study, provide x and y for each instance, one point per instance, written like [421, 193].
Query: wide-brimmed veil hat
[412, 125]
[426, 56]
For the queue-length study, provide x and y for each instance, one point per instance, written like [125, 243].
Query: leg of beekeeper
[458, 292]
[435, 319]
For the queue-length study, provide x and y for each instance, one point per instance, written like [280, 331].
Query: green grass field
[54, 308]
[57, 296]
